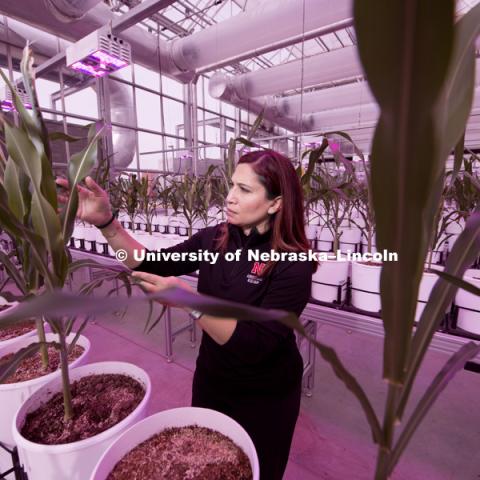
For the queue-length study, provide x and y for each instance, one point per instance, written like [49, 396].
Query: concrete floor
[332, 439]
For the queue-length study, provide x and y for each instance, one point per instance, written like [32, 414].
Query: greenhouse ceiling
[303, 69]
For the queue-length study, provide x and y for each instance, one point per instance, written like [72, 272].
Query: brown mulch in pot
[16, 330]
[32, 367]
[99, 403]
[180, 453]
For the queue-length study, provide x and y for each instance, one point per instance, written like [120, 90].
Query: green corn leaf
[61, 303]
[55, 136]
[13, 272]
[463, 254]
[458, 157]
[407, 82]
[454, 364]
[460, 84]
[11, 183]
[458, 282]
[79, 167]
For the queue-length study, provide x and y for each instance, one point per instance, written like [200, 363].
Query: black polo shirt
[259, 355]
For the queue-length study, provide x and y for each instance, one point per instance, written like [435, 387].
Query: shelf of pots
[43, 365]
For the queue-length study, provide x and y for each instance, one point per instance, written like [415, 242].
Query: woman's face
[247, 203]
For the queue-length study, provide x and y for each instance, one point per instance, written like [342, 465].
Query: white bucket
[366, 287]
[12, 395]
[177, 417]
[74, 461]
[325, 281]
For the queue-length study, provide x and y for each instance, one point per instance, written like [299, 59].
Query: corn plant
[39, 227]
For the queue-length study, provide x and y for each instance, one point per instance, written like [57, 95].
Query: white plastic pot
[325, 280]
[469, 307]
[12, 395]
[366, 287]
[426, 285]
[324, 239]
[74, 461]
[177, 417]
[350, 238]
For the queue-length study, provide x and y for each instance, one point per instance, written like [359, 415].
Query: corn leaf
[458, 282]
[454, 364]
[463, 254]
[407, 83]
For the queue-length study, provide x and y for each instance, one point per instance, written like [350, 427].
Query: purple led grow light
[98, 64]
[8, 106]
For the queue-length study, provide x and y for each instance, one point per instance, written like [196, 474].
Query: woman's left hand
[153, 283]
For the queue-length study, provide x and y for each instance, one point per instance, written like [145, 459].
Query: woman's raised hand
[93, 202]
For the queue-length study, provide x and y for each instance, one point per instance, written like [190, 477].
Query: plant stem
[388, 433]
[42, 339]
[67, 394]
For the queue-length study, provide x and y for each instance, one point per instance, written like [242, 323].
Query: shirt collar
[253, 239]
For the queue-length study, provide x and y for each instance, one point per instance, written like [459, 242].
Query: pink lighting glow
[334, 147]
[98, 64]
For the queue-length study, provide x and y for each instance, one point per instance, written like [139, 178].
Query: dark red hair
[277, 174]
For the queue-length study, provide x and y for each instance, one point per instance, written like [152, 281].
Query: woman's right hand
[93, 202]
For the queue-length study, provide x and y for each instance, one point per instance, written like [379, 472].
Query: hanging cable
[302, 81]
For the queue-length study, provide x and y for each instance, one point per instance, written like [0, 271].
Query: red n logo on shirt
[258, 268]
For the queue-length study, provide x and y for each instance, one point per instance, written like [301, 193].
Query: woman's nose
[231, 196]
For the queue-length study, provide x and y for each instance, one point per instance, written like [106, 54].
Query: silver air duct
[70, 10]
[326, 67]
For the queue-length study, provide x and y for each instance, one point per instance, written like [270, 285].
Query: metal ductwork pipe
[218, 42]
[357, 93]
[122, 110]
[343, 96]
[366, 115]
[344, 118]
[121, 97]
[327, 67]
[256, 105]
[265, 22]
[70, 10]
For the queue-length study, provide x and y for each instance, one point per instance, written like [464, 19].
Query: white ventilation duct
[260, 105]
[327, 67]
[366, 115]
[70, 10]
[220, 41]
[344, 118]
[326, 99]
[121, 99]
[265, 22]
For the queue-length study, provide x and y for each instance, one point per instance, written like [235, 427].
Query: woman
[249, 370]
